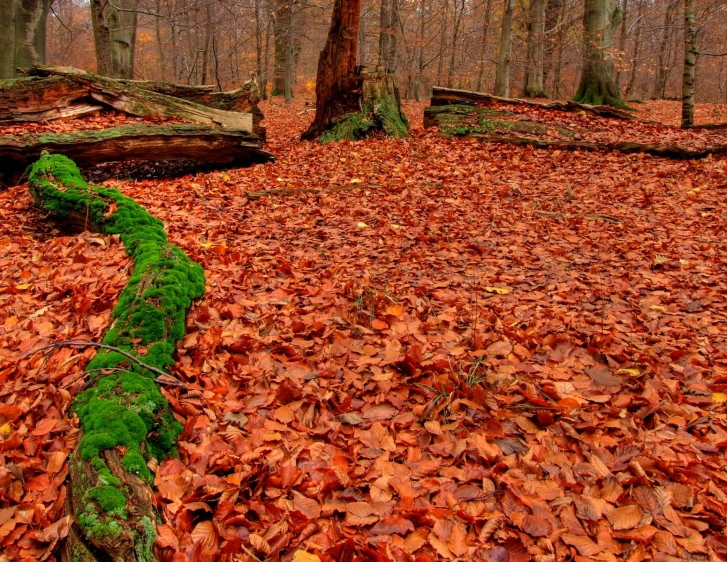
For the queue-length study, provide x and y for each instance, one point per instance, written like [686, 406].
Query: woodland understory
[408, 349]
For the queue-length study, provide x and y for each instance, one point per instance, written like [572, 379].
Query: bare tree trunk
[622, 43]
[22, 34]
[637, 47]
[455, 37]
[114, 33]
[534, 81]
[261, 78]
[502, 77]
[420, 51]
[336, 81]
[442, 41]
[690, 62]
[209, 31]
[662, 67]
[281, 27]
[160, 43]
[288, 84]
[362, 54]
[387, 37]
[598, 78]
[483, 46]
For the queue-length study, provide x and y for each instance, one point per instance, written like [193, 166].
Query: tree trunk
[281, 28]
[598, 79]
[387, 36]
[637, 46]
[457, 20]
[114, 33]
[442, 41]
[288, 82]
[622, 43]
[259, 44]
[502, 77]
[420, 51]
[690, 62]
[338, 87]
[534, 87]
[483, 47]
[22, 34]
[662, 66]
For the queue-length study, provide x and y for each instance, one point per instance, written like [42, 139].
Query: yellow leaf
[362, 225]
[395, 310]
[497, 290]
[632, 372]
[23, 286]
[210, 244]
[719, 397]
[304, 556]
[5, 430]
[355, 180]
[226, 177]
[396, 226]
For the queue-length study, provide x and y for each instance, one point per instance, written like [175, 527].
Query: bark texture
[534, 86]
[197, 143]
[282, 31]
[68, 92]
[690, 63]
[598, 78]
[114, 35]
[22, 34]
[502, 77]
[338, 85]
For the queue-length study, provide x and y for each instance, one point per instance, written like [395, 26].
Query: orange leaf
[626, 517]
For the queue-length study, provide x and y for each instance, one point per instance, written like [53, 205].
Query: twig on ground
[80, 343]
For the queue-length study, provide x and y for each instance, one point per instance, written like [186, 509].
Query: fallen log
[134, 142]
[448, 96]
[125, 421]
[66, 92]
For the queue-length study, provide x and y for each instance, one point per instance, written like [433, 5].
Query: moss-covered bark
[125, 420]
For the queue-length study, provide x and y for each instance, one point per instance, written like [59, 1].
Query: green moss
[108, 498]
[352, 126]
[125, 409]
[144, 542]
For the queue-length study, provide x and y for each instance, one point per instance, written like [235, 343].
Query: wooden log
[447, 96]
[134, 142]
[36, 98]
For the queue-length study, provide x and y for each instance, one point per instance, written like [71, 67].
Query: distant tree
[534, 87]
[502, 76]
[22, 34]
[690, 62]
[598, 78]
[114, 34]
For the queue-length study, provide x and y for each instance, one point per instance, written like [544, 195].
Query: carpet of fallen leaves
[453, 350]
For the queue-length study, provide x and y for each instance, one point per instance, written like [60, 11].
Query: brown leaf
[584, 545]
[307, 506]
[626, 517]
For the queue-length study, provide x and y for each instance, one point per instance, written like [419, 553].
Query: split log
[448, 96]
[135, 142]
[64, 92]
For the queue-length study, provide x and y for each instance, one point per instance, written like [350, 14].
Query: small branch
[79, 343]
[589, 216]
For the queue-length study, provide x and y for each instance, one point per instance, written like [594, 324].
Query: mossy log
[64, 92]
[134, 142]
[125, 420]
[448, 96]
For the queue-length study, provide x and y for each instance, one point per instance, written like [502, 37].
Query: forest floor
[451, 350]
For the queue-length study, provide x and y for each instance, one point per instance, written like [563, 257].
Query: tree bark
[483, 47]
[635, 58]
[456, 22]
[114, 34]
[22, 34]
[198, 143]
[662, 67]
[534, 86]
[690, 63]
[598, 83]
[281, 29]
[622, 43]
[338, 87]
[387, 38]
[502, 77]
[33, 99]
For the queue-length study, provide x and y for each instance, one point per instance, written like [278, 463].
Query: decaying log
[135, 142]
[447, 96]
[58, 92]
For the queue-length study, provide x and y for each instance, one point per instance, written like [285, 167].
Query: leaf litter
[488, 370]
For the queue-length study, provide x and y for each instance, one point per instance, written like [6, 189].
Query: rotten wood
[448, 96]
[135, 142]
[61, 92]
